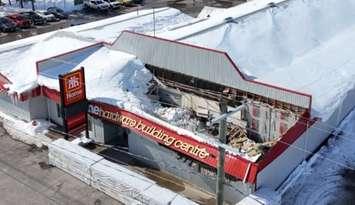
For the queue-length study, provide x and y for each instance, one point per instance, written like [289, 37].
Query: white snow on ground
[329, 176]
[302, 45]
[38, 126]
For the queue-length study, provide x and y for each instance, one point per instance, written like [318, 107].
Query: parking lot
[191, 7]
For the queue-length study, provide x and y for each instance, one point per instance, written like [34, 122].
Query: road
[26, 179]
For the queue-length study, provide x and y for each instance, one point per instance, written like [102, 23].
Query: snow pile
[113, 179]
[177, 116]
[111, 76]
[328, 177]
[302, 45]
[33, 132]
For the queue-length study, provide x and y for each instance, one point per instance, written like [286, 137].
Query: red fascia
[235, 166]
[41, 90]
[76, 120]
[230, 60]
[287, 140]
[51, 94]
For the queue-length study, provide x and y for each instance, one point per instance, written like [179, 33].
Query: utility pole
[220, 166]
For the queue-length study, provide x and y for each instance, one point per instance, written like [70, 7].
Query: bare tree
[33, 5]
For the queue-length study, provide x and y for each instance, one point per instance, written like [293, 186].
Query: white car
[113, 3]
[97, 4]
[46, 15]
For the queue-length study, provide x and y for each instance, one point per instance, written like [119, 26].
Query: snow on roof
[30, 50]
[302, 45]
[121, 80]
[19, 65]
[163, 19]
[111, 76]
[108, 29]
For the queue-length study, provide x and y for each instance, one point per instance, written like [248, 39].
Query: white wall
[38, 107]
[53, 112]
[15, 108]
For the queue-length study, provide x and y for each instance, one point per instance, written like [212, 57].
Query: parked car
[20, 21]
[7, 25]
[36, 19]
[114, 4]
[126, 2]
[97, 5]
[48, 16]
[57, 12]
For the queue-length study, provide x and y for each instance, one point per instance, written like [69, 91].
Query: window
[59, 111]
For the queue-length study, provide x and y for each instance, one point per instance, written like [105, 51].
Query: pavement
[27, 179]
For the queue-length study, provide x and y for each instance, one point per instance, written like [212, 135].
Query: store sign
[206, 153]
[151, 130]
[73, 87]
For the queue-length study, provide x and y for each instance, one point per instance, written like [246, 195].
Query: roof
[30, 50]
[301, 45]
[20, 64]
[111, 76]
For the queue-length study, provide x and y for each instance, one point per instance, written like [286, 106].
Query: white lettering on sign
[152, 131]
[73, 82]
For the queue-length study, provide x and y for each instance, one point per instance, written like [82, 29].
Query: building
[157, 96]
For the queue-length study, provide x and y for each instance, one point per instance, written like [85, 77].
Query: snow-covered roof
[20, 64]
[302, 45]
[120, 79]
[111, 76]
[24, 53]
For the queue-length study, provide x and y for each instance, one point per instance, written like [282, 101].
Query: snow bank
[27, 132]
[113, 179]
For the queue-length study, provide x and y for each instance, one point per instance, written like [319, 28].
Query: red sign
[201, 151]
[73, 87]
